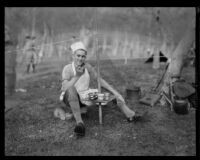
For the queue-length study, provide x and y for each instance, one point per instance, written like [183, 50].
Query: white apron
[83, 82]
[82, 85]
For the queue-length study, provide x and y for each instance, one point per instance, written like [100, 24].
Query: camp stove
[177, 104]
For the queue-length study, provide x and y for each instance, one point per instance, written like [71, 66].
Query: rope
[38, 46]
[96, 46]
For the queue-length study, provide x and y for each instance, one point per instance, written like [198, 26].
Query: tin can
[106, 96]
[101, 96]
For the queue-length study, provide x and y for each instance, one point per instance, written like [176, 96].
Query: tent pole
[98, 72]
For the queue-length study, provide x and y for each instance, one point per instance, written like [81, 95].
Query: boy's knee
[72, 94]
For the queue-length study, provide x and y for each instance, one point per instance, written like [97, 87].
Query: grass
[31, 128]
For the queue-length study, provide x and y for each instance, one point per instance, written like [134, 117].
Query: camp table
[101, 103]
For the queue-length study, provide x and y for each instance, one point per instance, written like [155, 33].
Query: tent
[163, 58]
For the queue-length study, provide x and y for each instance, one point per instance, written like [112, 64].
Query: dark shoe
[79, 129]
[135, 118]
[138, 117]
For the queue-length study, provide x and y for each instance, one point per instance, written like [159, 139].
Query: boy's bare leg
[74, 104]
[130, 114]
[125, 109]
[71, 98]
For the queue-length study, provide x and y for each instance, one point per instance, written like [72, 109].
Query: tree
[10, 63]
[178, 57]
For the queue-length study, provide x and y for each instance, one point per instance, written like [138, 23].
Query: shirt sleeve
[66, 76]
[66, 73]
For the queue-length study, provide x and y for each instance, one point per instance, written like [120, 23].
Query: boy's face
[79, 57]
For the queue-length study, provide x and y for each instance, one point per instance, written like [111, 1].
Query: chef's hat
[76, 46]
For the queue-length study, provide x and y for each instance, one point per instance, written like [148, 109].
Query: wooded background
[132, 26]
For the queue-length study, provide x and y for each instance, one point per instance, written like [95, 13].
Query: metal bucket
[181, 106]
[133, 93]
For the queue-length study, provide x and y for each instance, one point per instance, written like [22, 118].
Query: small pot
[133, 93]
[181, 106]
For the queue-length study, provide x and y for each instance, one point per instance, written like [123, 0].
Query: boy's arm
[66, 84]
[105, 84]
[68, 80]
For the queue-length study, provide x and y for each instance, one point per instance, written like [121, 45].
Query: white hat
[78, 45]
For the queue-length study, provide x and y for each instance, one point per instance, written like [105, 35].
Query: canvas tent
[162, 57]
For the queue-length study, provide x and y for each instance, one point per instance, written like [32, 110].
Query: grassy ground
[31, 128]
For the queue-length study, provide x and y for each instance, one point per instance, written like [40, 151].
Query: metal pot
[133, 93]
[181, 106]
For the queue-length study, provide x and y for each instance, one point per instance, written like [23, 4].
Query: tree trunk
[156, 58]
[180, 53]
[124, 51]
[10, 64]
[178, 56]
[115, 47]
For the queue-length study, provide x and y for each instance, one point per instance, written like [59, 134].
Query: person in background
[30, 54]
[76, 78]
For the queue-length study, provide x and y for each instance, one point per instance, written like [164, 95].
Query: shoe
[139, 118]
[79, 130]
[135, 118]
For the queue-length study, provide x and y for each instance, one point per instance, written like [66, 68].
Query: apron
[82, 85]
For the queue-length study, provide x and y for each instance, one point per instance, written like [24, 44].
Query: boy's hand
[80, 70]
